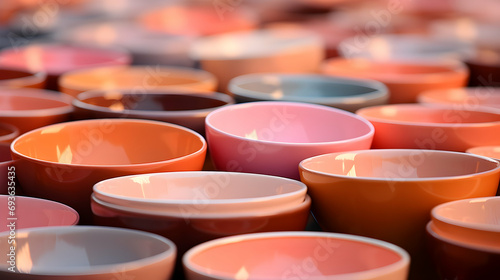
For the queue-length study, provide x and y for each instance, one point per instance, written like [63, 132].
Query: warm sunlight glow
[380, 49]
[252, 135]
[242, 274]
[466, 29]
[53, 129]
[348, 169]
[118, 106]
[142, 180]
[34, 58]
[105, 35]
[389, 112]
[229, 47]
[66, 156]
[24, 260]
[277, 94]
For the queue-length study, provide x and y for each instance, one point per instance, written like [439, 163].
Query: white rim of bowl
[332, 110]
[404, 261]
[137, 121]
[107, 268]
[38, 94]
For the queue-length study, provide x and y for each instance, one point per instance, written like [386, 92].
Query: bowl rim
[302, 168]
[111, 166]
[179, 175]
[14, 132]
[379, 90]
[79, 101]
[476, 151]
[432, 96]
[331, 110]
[124, 266]
[429, 107]
[32, 78]
[38, 94]
[404, 260]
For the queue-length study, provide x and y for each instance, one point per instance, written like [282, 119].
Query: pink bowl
[273, 137]
[29, 212]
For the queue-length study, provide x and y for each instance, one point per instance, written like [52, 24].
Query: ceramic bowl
[87, 253]
[265, 50]
[273, 137]
[417, 126]
[5, 167]
[457, 260]
[56, 59]
[342, 93]
[14, 78]
[8, 133]
[296, 255]
[137, 78]
[28, 109]
[405, 79]
[185, 108]
[484, 67]
[486, 151]
[69, 158]
[201, 192]
[471, 98]
[389, 194]
[27, 212]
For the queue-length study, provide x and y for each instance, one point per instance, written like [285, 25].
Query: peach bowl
[185, 108]
[15, 78]
[29, 212]
[56, 59]
[470, 98]
[296, 255]
[70, 158]
[406, 79]
[87, 253]
[417, 126]
[342, 93]
[273, 137]
[137, 78]
[8, 133]
[28, 109]
[201, 192]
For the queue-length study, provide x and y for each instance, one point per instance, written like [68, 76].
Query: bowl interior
[287, 122]
[108, 142]
[478, 211]
[390, 164]
[19, 101]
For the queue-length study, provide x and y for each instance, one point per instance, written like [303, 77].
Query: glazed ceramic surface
[14, 78]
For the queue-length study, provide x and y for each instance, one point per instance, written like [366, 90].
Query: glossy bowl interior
[34, 212]
[14, 78]
[208, 192]
[465, 98]
[274, 255]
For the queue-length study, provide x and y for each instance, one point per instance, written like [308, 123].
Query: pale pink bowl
[32, 212]
[296, 255]
[471, 98]
[273, 137]
[418, 126]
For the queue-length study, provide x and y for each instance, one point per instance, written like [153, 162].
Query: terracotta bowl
[470, 98]
[14, 78]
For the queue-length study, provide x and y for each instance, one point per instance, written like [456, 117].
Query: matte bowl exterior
[418, 126]
[70, 158]
[15, 78]
[88, 253]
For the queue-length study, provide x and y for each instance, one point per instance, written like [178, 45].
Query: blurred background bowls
[8, 133]
[88, 253]
[182, 107]
[484, 67]
[464, 98]
[342, 93]
[14, 78]
[288, 255]
[69, 158]
[417, 126]
[273, 137]
[5, 167]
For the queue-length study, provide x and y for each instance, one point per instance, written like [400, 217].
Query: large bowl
[273, 137]
[86, 253]
[185, 108]
[15, 78]
[471, 98]
[417, 126]
[68, 159]
[296, 255]
[28, 109]
[136, 78]
[342, 93]
[406, 79]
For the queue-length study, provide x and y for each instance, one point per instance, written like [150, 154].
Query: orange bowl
[14, 78]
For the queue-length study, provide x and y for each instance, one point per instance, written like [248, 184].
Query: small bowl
[70, 158]
[8, 133]
[405, 79]
[196, 192]
[471, 98]
[14, 78]
[28, 109]
[278, 50]
[484, 67]
[342, 93]
[56, 59]
[417, 126]
[137, 78]
[87, 253]
[29, 212]
[185, 108]
[296, 255]
[273, 137]
[457, 260]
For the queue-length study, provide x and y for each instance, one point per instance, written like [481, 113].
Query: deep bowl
[300, 255]
[69, 158]
[342, 93]
[420, 126]
[185, 108]
[87, 253]
[273, 137]
[471, 98]
[15, 78]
